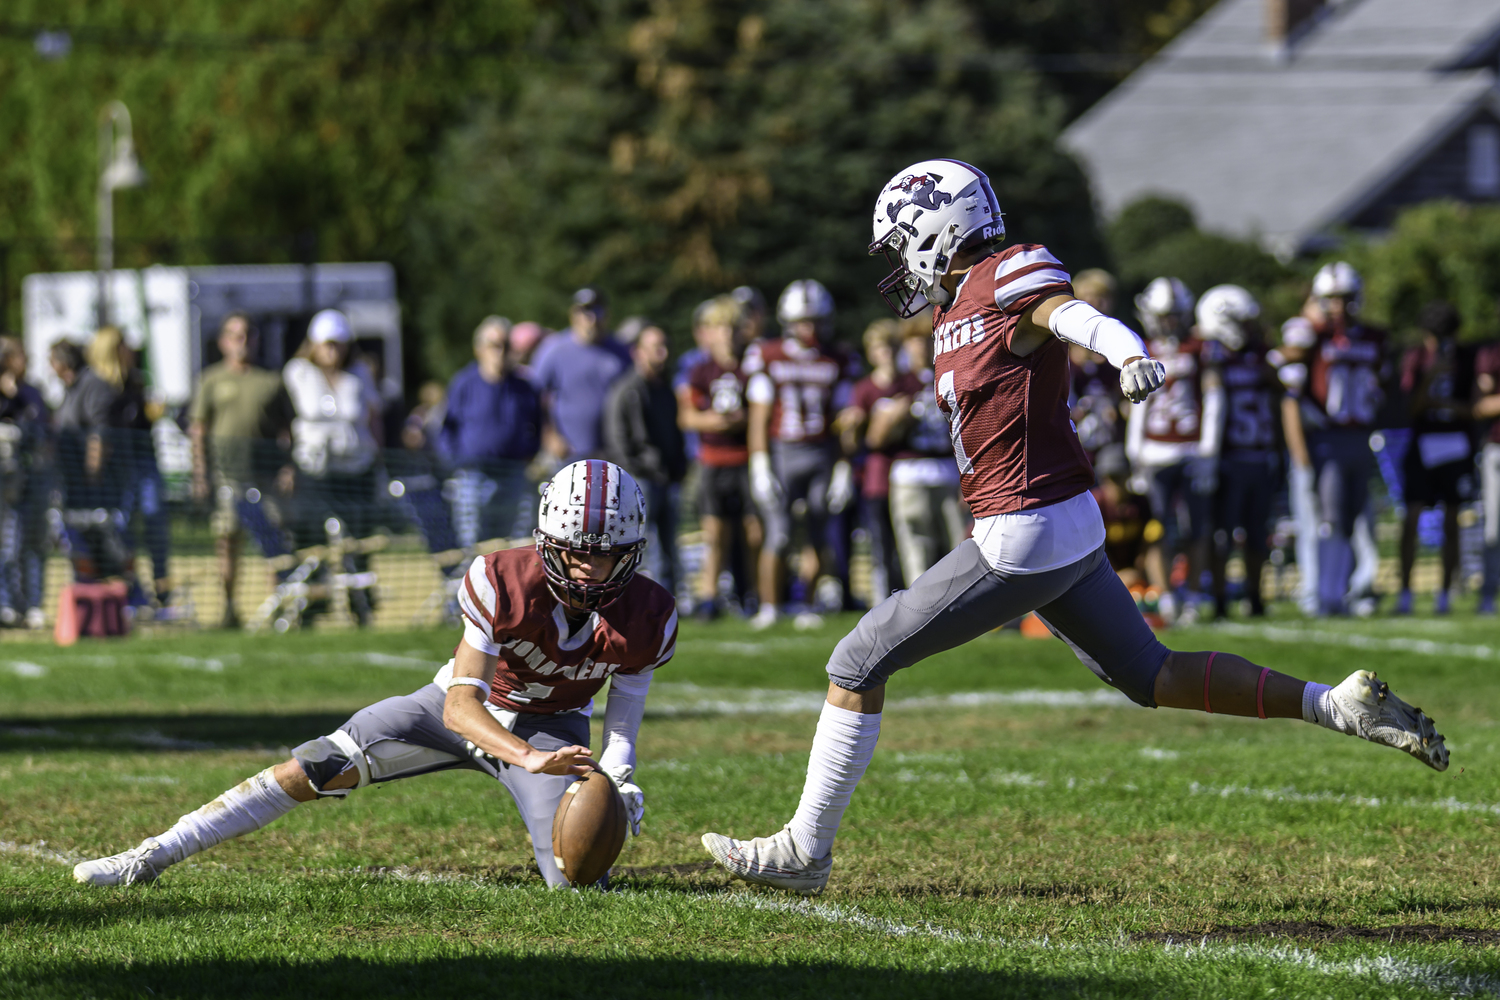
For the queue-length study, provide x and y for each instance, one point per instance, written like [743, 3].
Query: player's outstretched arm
[465, 715]
[1077, 322]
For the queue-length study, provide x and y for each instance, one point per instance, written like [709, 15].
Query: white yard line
[1439, 978]
[41, 852]
[21, 668]
[1356, 640]
[1288, 794]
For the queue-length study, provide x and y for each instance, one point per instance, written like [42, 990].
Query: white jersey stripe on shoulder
[1018, 288]
[476, 598]
[1024, 259]
[669, 636]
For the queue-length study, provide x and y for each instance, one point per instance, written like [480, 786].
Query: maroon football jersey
[1344, 375]
[1174, 413]
[542, 669]
[714, 387]
[1251, 392]
[1008, 415]
[804, 380]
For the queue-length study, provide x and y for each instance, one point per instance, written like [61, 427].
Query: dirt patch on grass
[1319, 932]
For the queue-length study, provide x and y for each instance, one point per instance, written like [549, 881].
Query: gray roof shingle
[1282, 148]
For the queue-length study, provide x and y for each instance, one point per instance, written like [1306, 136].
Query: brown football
[588, 830]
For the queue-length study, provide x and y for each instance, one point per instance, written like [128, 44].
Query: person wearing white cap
[334, 440]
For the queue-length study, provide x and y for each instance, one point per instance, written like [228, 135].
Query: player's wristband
[473, 682]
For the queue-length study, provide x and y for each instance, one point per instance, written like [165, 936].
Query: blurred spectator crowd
[784, 446]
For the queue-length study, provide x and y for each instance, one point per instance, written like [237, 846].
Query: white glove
[1204, 474]
[840, 487]
[635, 799]
[1141, 378]
[483, 755]
[763, 485]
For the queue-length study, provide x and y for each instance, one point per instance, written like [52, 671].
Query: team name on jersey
[537, 660]
[957, 333]
[824, 371]
[1351, 352]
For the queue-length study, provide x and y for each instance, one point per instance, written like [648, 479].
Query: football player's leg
[379, 743]
[1097, 618]
[538, 795]
[960, 598]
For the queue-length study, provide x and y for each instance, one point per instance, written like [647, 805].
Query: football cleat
[775, 861]
[139, 864]
[1366, 708]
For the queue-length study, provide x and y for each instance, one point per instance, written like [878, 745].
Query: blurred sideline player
[797, 384]
[1335, 368]
[544, 628]
[1000, 320]
[1172, 443]
[1236, 365]
[711, 404]
[1436, 377]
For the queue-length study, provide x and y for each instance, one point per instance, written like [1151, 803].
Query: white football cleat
[139, 864]
[1366, 708]
[765, 617]
[775, 861]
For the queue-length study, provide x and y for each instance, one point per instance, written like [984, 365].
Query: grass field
[1023, 831]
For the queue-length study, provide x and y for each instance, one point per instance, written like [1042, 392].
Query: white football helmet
[805, 300]
[591, 507]
[1165, 308]
[1223, 314]
[923, 216]
[1340, 279]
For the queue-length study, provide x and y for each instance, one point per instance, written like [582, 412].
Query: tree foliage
[500, 153]
[269, 130]
[1440, 250]
[694, 146]
[1158, 236]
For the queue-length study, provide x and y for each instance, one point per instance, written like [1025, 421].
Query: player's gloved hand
[1141, 377]
[840, 487]
[483, 756]
[763, 485]
[1204, 474]
[635, 799]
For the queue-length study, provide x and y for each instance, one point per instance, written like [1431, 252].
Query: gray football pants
[405, 736]
[961, 597]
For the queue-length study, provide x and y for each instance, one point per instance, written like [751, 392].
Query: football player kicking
[543, 629]
[1038, 542]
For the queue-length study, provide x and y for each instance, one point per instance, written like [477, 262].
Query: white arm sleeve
[622, 718]
[1079, 323]
[1135, 432]
[1210, 439]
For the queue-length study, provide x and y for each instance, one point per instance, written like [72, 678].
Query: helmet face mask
[590, 508]
[924, 216]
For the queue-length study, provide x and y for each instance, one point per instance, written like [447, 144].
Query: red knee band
[1260, 693]
[1208, 672]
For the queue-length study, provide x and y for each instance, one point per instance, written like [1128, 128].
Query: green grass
[1041, 845]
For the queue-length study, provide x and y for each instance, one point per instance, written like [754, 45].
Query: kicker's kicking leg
[1097, 618]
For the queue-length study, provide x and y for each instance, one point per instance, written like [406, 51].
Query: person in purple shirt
[491, 431]
[574, 370]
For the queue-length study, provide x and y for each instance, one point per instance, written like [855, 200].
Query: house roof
[1281, 145]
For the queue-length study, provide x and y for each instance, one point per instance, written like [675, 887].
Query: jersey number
[801, 411]
[955, 423]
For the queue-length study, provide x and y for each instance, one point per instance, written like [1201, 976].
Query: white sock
[1317, 707]
[248, 806]
[841, 750]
